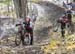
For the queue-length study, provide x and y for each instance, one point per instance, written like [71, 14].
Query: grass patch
[36, 1]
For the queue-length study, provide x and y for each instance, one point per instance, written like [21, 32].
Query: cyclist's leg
[31, 39]
[63, 30]
[31, 33]
[63, 33]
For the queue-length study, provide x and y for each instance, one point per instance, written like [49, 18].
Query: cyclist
[29, 28]
[63, 20]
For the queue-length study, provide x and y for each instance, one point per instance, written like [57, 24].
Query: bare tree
[21, 8]
[73, 0]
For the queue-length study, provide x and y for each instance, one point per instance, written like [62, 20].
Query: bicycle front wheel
[18, 39]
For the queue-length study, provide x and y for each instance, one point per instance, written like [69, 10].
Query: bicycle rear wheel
[71, 29]
[18, 39]
[27, 39]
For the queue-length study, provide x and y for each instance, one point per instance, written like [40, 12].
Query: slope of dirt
[46, 19]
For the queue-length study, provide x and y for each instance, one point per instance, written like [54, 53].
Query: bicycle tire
[18, 39]
[71, 29]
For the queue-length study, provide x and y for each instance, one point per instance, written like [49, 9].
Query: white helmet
[28, 17]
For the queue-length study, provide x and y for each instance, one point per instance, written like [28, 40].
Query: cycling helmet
[27, 19]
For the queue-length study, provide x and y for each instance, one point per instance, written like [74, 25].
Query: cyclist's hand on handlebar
[23, 22]
[18, 24]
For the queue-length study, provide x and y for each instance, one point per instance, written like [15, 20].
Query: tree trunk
[21, 8]
[17, 7]
[24, 8]
[73, 0]
[8, 10]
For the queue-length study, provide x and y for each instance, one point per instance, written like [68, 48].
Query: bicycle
[22, 36]
[62, 24]
[69, 26]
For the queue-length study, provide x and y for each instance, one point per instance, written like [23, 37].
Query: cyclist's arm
[24, 23]
[18, 24]
[31, 25]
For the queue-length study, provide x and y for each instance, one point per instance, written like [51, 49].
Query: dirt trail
[46, 20]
